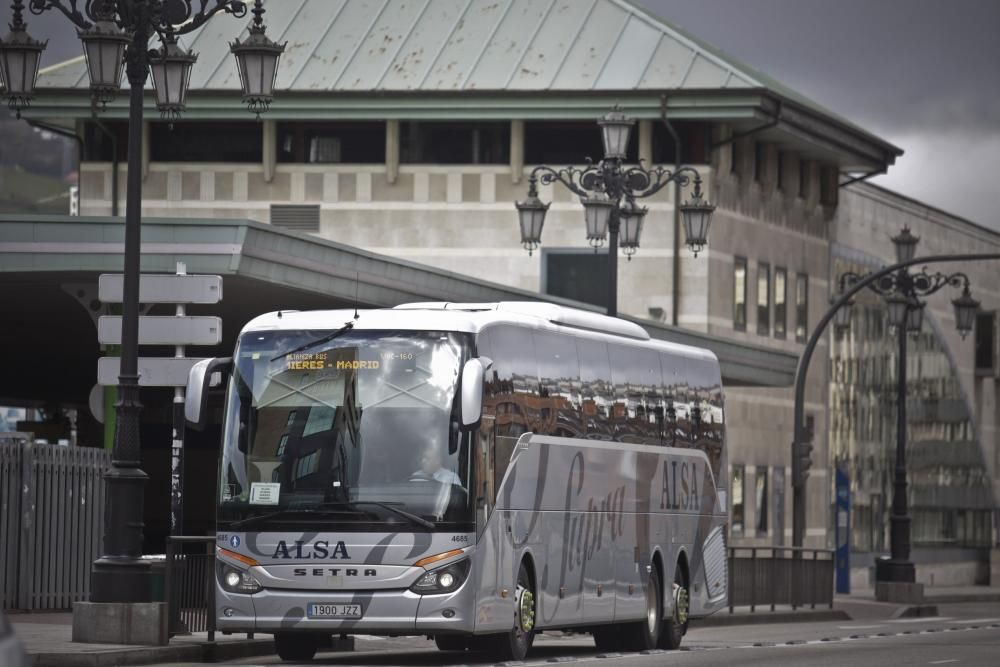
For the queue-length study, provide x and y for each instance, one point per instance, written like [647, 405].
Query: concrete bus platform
[47, 637]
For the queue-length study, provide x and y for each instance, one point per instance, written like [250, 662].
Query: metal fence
[51, 521]
[769, 576]
[190, 585]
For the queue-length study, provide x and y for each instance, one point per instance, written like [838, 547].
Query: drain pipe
[676, 268]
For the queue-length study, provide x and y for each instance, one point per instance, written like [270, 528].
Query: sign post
[180, 330]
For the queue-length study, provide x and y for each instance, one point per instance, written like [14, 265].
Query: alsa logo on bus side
[680, 486]
[316, 550]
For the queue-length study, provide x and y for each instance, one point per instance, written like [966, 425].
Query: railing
[772, 575]
[51, 521]
[189, 585]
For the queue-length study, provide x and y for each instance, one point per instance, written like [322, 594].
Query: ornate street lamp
[608, 191]
[171, 70]
[901, 291]
[842, 318]
[257, 62]
[19, 58]
[104, 47]
[114, 32]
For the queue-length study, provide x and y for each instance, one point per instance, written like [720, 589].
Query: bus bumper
[384, 612]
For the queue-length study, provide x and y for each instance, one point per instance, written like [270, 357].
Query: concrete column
[646, 141]
[516, 150]
[391, 150]
[145, 149]
[269, 155]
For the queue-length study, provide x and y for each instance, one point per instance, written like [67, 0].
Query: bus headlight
[442, 580]
[237, 581]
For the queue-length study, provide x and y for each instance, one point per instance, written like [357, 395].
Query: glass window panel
[580, 276]
[196, 141]
[454, 143]
[740, 293]
[780, 296]
[763, 298]
[801, 307]
[559, 385]
[761, 499]
[739, 502]
[595, 390]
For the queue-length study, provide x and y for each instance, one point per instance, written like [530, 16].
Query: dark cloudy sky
[922, 74]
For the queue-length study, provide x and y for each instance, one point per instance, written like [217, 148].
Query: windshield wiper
[319, 341]
[283, 513]
[409, 516]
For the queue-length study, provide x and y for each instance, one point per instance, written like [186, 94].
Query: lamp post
[965, 311]
[115, 36]
[902, 291]
[608, 191]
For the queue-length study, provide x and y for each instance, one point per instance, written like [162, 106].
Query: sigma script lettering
[680, 486]
[583, 534]
[316, 550]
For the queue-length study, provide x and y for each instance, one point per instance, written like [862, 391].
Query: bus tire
[515, 643]
[451, 642]
[676, 625]
[643, 636]
[295, 646]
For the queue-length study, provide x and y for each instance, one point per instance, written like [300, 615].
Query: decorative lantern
[596, 214]
[965, 312]
[897, 305]
[19, 58]
[104, 47]
[631, 218]
[531, 215]
[696, 215]
[615, 130]
[257, 62]
[915, 316]
[171, 70]
[906, 245]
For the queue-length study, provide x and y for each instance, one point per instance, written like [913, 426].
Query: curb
[722, 619]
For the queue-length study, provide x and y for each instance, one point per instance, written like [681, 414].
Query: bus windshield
[345, 430]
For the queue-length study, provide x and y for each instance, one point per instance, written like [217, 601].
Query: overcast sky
[922, 74]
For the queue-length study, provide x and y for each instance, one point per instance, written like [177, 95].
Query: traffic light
[802, 456]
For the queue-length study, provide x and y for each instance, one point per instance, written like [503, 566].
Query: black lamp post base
[900, 571]
[121, 580]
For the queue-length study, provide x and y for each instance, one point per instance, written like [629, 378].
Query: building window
[758, 162]
[206, 142]
[739, 474]
[331, 143]
[780, 297]
[801, 307]
[763, 299]
[577, 275]
[985, 343]
[569, 143]
[454, 143]
[695, 141]
[761, 499]
[101, 140]
[740, 293]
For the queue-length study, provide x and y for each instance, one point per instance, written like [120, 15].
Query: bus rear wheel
[296, 646]
[676, 625]
[515, 644]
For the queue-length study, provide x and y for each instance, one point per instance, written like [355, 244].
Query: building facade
[410, 132]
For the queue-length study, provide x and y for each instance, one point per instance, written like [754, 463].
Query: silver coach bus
[475, 473]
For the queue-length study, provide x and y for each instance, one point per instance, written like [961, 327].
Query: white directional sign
[164, 330]
[163, 288]
[153, 371]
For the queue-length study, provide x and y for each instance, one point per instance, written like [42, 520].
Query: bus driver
[432, 468]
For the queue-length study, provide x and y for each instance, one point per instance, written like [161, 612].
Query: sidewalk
[47, 637]
[47, 641]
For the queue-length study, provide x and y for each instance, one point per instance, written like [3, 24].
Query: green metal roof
[487, 59]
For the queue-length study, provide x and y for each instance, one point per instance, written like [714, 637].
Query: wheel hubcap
[526, 610]
[681, 603]
[651, 617]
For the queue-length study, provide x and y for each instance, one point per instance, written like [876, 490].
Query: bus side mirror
[472, 390]
[200, 379]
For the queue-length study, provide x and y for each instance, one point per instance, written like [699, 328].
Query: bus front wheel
[515, 643]
[296, 646]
